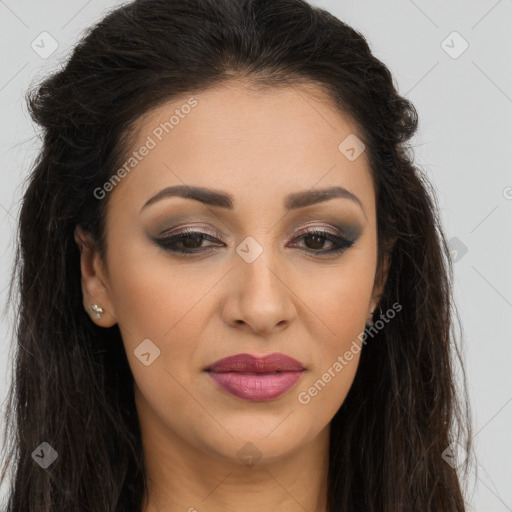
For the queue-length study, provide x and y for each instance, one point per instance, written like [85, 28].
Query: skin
[258, 146]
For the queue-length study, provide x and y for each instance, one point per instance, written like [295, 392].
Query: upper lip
[256, 364]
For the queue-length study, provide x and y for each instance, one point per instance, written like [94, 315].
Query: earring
[372, 311]
[96, 309]
[375, 309]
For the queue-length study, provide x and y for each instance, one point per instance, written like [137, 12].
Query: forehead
[261, 144]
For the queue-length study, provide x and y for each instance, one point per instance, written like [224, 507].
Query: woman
[235, 292]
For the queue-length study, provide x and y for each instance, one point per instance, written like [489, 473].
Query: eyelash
[169, 243]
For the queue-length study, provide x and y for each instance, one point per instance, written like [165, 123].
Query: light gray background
[464, 144]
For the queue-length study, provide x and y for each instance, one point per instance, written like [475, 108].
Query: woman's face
[256, 281]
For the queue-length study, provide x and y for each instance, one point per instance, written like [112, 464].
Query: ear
[95, 286]
[381, 277]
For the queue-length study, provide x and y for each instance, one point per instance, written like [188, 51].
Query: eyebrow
[221, 199]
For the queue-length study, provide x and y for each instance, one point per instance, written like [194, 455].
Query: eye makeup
[191, 239]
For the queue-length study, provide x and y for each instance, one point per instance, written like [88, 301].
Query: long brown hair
[72, 385]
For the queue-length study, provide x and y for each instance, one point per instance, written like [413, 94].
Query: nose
[259, 297]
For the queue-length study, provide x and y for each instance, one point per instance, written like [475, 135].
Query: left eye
[318, 238]
[189, 242]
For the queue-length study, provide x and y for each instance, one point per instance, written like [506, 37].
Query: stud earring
[372, 312]
[375, 309]
[97, 310]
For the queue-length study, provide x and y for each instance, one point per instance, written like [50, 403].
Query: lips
[253, 364]
[255, 378]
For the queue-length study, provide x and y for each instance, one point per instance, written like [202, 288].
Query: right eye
[186, 242]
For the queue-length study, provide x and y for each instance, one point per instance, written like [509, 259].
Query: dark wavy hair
[72, 384]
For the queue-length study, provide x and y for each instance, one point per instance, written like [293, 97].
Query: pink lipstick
[256, 378]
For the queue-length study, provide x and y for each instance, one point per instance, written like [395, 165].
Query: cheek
[155, 300]
[343, 310]
[340, 305]
[169, 302]
[150, 290]
[337, 299]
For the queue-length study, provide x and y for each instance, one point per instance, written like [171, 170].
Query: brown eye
[187, 242]
[192, 240]
[315, 240]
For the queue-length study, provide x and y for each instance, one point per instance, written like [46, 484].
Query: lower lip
[256, 387]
